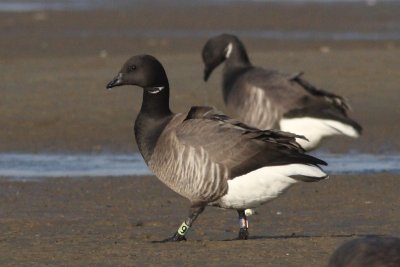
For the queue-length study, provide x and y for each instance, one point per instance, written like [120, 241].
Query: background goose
[266, 98]
[369, 251]
[207, 157]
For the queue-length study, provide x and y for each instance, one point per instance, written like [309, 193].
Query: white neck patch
[228, 50]
[156, 90]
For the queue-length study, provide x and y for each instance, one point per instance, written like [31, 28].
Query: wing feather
[338, 101]
[237, 146]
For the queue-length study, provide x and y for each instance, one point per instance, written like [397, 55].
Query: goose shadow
[278, 237]
[299, 236]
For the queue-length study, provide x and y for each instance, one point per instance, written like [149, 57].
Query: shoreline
[18, 166]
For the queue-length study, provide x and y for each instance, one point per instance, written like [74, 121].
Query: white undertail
[315, 129]
[257, 187]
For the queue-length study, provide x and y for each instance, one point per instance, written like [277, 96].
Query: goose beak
[207, 72]
[117, 81]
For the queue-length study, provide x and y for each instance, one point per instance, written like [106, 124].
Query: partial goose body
[264, 184]
[185, 168]
[267, 99]
[191, 158]
[208, 157]
[368, 251]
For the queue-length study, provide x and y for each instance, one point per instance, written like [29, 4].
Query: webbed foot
[175, 238]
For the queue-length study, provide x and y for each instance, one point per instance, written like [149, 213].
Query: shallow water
[36, 166]
[391, 31]
[39, 5]
[393, 35]
[260, 34]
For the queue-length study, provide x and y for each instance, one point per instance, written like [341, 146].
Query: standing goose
[267, 99]
[207, 157]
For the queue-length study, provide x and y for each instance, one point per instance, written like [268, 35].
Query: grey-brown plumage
[264, 98]
[198, 153]
[370, 251]
[194, 148]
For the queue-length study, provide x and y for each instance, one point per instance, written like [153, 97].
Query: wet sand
[112, 222]
[54, 67]
[54, 107]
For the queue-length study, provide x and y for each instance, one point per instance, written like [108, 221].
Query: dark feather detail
[336, 100]
[248, 148]
[201, 112]
[273, 136]
[307, 179]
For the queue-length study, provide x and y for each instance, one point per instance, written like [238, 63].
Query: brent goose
[369, 251]
[267, 99]
[208, 157]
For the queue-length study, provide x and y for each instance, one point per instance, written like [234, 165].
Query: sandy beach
[54, 66]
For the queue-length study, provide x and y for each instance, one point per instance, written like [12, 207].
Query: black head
[144, 71]
[217, 50]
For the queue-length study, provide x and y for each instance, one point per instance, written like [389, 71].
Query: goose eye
[131, 68]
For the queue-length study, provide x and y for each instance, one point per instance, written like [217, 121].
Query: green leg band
[183, 229]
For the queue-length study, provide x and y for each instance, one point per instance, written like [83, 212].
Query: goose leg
[244, 225]
[184, 228]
